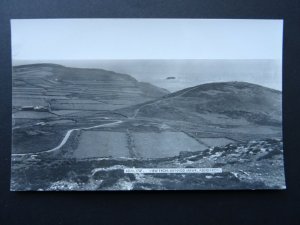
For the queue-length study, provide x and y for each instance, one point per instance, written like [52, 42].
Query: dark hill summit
[229, 103]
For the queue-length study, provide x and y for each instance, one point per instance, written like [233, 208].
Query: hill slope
[65, 88]
[229, 103]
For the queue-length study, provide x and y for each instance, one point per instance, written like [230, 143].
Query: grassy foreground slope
[247, 165]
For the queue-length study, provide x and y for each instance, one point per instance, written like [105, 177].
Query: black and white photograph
[146, 104]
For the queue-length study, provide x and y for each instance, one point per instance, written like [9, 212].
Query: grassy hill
[217, 103]
[65, 88]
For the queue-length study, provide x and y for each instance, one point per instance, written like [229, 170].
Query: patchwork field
[101, 144]
[164, 144]
[95, 144]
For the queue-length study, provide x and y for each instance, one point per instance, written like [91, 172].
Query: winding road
[66, 138]
[158, 101]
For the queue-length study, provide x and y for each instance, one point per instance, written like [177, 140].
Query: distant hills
[66, 88]
[223, 103]
[229, 103]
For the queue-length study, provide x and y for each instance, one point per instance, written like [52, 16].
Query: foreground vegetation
[248, 165]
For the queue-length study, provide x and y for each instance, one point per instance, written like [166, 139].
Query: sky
[96, 39]
[194, 51]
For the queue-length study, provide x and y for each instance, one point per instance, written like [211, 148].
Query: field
[95, 144]
[164, 144]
